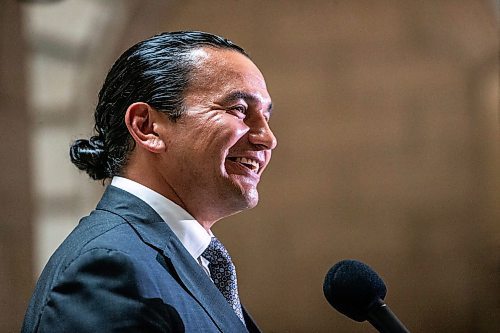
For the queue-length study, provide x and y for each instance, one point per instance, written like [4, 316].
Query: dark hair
[155, 71]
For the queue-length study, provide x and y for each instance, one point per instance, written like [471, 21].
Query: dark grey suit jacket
[123, 270]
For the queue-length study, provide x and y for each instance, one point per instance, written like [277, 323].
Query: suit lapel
[156, 233]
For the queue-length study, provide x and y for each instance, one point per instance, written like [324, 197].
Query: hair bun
[90, 156]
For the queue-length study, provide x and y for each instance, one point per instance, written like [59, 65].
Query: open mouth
[248, 163]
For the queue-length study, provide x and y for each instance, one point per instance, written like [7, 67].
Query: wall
[16, 239]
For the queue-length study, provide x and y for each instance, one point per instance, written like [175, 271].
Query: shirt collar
[191, 234]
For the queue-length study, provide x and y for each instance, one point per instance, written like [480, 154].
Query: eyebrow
[237, 95]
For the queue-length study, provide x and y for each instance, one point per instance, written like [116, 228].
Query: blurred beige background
[387, 120]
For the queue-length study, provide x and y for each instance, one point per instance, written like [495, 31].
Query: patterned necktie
[223, 274]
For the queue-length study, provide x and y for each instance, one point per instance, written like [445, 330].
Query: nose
[260, 134]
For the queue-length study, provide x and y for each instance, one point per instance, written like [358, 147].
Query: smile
[249, 163]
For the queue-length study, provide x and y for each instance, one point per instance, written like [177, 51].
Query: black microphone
[357, 291]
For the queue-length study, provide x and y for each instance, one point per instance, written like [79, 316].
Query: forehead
[219, 73]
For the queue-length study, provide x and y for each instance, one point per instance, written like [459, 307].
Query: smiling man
[182, 132]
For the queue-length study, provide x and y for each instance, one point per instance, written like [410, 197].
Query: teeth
[254, 165]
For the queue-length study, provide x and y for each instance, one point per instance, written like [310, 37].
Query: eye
[238, 111]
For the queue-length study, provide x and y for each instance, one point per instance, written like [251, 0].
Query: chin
[251, 198]
[242, 197]
[244, 201]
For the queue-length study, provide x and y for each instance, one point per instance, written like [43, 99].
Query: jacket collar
[155, 232]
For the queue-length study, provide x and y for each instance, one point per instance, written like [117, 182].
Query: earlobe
[140, 121]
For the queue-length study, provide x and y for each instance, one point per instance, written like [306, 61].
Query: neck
[163, 187]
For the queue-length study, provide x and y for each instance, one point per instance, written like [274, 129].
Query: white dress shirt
[191, 234]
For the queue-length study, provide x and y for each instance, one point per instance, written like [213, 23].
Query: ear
[141, 119]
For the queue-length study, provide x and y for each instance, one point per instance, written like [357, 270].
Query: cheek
[231, 140]
[237, 133]
[227, 131]
[215, 131]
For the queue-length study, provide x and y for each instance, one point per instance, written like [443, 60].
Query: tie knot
[216, 253]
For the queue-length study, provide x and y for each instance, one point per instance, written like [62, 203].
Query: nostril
[264, 138]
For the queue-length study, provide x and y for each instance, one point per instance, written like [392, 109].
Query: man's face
[218, 149]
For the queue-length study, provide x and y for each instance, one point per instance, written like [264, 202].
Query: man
[182, 131]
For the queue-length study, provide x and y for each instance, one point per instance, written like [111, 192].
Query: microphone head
[352, 288]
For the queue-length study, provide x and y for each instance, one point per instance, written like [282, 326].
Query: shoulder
[99, 290]
[97, 235]
[95, 230]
